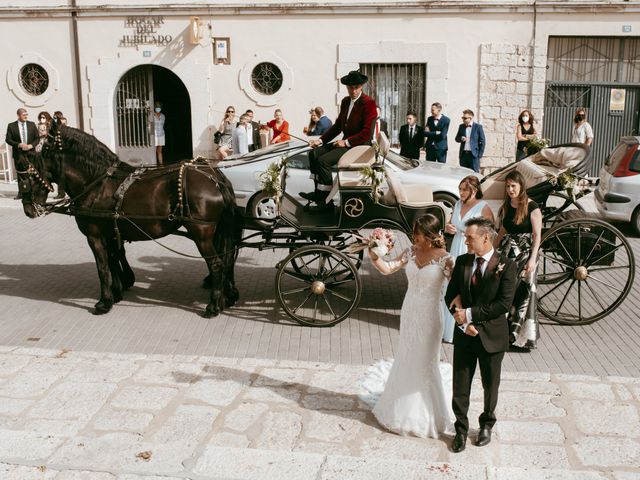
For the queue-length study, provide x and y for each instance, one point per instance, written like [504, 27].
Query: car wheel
[262, 207]
[447, 198]
[635, 220]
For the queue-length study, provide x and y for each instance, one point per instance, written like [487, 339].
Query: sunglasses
[231, 111]
[467, 118]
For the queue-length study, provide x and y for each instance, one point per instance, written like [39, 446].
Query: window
[266, 78]
[34, 79]
[397, 89]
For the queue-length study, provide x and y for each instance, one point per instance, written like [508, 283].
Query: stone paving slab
[152, 417]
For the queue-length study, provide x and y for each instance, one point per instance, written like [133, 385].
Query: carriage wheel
[586, 271]
[556, 204]
[318, 286]
[339, 243]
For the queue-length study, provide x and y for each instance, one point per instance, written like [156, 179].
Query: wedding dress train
[412, 393]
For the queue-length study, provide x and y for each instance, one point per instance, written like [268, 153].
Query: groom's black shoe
[459, 443]
[484, 437]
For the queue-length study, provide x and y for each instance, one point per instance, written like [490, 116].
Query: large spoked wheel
[339, 243]
[586, 271]
[318, 286]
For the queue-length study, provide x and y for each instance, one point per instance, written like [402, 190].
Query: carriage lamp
[195, 30]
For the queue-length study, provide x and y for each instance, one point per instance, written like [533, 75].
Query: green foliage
[535, 144]
[271, 179]
[375, 177]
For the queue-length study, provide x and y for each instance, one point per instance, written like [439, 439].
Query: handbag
[217, 136]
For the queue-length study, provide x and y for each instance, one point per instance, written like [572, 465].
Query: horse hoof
[101, 308]
[210, 312]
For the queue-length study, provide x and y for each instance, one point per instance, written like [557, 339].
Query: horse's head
[33, 183]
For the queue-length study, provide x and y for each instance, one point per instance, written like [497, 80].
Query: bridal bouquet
[381, 241]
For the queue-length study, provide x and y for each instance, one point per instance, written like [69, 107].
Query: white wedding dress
[412, 394]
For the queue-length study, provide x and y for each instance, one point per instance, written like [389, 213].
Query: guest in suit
[355, 120]
[253, 132]
[435, 132]
[380, 125]
[480, 294]
[472, 141]
[23, 136]
[411, 138]
[318, 122]
[239, 137]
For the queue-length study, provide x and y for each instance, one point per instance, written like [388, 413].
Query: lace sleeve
[447, 266]
[387, 268]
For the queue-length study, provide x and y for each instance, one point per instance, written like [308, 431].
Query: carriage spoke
[295, 290]
[579, 301]
[579, 246]
[556, 276]
[340, 296]
[595, 244]
[297, 275]
[314, 318]
[333, 269]
[568, 255]
[593, 262]
[306, 264]
[329, 307]
[303, 302]
[606, 269]
[604, 283]
[554, 288]
[565, 297]
[557, 260]
[595, 295]
[337, 283]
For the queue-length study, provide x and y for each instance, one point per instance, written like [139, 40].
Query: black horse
[113, 202]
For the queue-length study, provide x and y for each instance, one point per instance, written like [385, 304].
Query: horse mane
[91, 155]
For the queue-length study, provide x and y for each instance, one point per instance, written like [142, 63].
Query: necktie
[477, 275]
[411, 132]
[24, 132]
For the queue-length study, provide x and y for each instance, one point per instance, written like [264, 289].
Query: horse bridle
[33, 172]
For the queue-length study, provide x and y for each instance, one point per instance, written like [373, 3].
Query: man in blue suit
[435, 133]
[472, 141]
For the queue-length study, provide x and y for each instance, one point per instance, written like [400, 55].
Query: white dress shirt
[249, 134]
[467, 134]
[487, 256]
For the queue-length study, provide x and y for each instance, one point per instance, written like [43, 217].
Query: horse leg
[202, 236]
[101, 255]
[128, 278]
[116, 273]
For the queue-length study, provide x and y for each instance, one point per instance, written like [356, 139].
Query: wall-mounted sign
[626, 28]
[221, 51]
[144, 32]
[616, 101]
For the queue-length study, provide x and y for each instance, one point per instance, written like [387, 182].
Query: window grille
[34, 79]
[266, 78]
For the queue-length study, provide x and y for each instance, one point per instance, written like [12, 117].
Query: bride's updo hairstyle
[429, 226]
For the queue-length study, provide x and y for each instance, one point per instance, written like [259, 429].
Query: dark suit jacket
[357, 129]
[13, 137]
[477, 139]
[489, 311]
[437, 134]
[410, 147]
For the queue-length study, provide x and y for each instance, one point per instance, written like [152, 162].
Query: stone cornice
[345, 7]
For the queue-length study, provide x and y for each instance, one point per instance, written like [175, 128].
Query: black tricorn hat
[354, 77]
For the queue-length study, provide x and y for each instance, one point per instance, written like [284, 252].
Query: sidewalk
[68, 415]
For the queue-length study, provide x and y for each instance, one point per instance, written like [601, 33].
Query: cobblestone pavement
[48, 284]
[67, 415]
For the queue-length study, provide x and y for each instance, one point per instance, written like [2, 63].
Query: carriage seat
[412, 195]
[560, 158]
[363, 155]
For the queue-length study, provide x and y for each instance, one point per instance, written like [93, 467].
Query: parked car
[618, 193]
[441, 178]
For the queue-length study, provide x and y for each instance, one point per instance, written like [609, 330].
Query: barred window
[34, 79]
[266, 78]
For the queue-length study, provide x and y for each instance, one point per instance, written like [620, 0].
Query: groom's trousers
[465, 358]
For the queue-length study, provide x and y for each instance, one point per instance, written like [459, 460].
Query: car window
[616, 155]
[401, 162]
[634, 164]
[299, 160]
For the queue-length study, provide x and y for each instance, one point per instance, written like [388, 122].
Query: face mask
[158, 109]
[579, 118]
[525, 119]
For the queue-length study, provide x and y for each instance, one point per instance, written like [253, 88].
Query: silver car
[617, 196]
[443, 179]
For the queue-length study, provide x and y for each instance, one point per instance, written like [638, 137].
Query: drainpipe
[76, 64]
[533, 50]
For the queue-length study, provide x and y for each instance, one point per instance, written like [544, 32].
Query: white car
[618, 194]
[441, 178]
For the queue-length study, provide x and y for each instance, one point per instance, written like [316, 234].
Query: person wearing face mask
[472, 141]
[156, 121]
[582, 131]
[524, 132]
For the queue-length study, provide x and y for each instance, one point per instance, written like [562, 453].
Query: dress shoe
[459, 443]
[484, 437]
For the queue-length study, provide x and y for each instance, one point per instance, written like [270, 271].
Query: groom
[481, 291]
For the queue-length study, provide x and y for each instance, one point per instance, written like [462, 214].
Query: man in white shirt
[239, 139]
[22, 136]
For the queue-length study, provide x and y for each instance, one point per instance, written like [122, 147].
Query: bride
[414, 399]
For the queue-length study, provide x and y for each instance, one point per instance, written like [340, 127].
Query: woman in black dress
[524, 131]
[519, 239]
